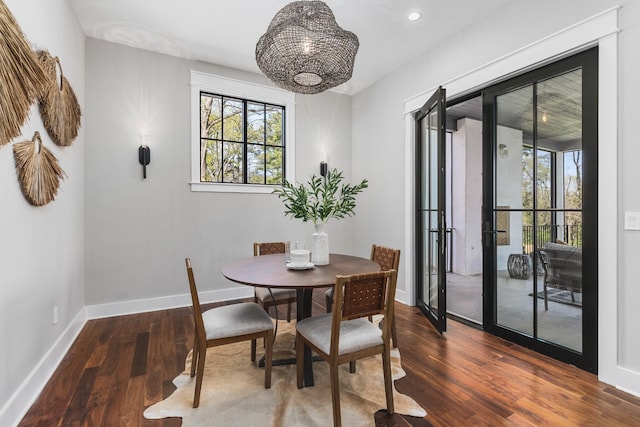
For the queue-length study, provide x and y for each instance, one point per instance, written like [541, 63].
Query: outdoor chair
[562, 266]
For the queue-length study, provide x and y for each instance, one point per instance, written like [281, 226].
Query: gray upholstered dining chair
[389, 259]
[272, 297]
[225, 325]
[346, 334]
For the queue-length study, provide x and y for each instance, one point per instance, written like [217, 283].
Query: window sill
[211, 187]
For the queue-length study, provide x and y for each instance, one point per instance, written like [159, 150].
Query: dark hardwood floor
[119, 366]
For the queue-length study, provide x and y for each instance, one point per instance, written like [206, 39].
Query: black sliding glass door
[540, 209]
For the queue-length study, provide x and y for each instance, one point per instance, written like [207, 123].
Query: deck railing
[568, 233]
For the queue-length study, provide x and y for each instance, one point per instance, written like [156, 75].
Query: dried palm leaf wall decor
[59, 106]
[38, 171]
[21, 77]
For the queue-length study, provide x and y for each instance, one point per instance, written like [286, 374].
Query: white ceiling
[226, 32]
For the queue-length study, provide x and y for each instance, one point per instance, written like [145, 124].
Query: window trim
[236, 88]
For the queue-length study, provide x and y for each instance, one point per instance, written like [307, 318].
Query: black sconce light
[323, 163]
[323, 168]
[144, 157]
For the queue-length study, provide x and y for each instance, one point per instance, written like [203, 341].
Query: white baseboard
[162, 303]
[403, 297]
[28, 391]
[623, 379]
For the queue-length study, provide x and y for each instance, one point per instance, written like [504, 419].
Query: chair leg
[546, 301]
[253, 349]
[299, 360]
[289, 312]
[335, 394]
[352, 367]
[199, 375]
[388, 382]
[267, 359]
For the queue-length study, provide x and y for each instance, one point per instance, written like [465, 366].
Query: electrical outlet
[55, 314]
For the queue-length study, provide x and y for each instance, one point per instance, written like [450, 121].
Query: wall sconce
[323, 164]
[323, 168]
[144, 157]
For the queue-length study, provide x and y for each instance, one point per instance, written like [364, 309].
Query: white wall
[467, 197]
[140, 230]
[379, 136]
[41, 248]
[509, 190]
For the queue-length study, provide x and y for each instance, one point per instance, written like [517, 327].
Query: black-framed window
[242, 141]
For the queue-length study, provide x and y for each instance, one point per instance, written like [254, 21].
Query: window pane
[210, 116]
[275, 170]
[514, 157]
[233, 120]
[255, 164]
[543, 179]
[255, 123]
[274, 125]
[233, 170]
[573, 179]
[210, 161]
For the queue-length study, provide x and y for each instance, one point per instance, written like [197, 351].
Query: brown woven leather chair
[389, 259]
[225, 325]
[346, 334]
[272, 297]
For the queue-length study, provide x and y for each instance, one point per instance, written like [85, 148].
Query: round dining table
[271, 271]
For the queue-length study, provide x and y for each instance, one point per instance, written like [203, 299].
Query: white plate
[300, 267]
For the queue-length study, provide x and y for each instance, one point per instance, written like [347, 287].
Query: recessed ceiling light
[414, 16]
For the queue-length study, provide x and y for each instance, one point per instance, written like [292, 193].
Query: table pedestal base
[304, 298]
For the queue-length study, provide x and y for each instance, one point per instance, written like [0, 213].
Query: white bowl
[299, 257]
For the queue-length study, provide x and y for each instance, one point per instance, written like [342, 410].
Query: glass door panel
[430, 203]
[512, 210]
[559, 172]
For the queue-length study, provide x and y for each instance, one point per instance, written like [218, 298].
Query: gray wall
[139, 230]
[41, 248]
[379, 128]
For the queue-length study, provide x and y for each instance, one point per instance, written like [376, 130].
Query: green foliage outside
[571, 192]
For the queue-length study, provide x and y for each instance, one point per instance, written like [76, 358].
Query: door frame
[601, 30]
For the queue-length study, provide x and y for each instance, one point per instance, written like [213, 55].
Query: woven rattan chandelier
[304, 50]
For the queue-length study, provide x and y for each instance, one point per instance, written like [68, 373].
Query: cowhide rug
[233, 392]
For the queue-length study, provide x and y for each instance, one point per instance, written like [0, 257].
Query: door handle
[494, 231]
[486, 241]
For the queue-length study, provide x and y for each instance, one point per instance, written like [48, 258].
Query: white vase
[320, 246]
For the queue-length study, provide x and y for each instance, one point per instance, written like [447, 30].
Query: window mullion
[264, 142]
[222, 103]
[245, 156]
